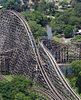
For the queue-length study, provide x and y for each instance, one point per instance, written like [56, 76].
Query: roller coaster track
[61, 76]
[43, 91]
[38, 57]
[57, 93]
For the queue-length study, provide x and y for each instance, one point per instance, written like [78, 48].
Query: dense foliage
[63, 21]
[19, 88]
[13, 5]
[76, 79]
[47, 8]
[78, 82]
[68, 21]
[37, 21]
[76, 66]
[77, 38]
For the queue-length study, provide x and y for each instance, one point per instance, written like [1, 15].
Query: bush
[76, 66]
[13, 5]
[68, 31]
[78, 82]
[19, 88]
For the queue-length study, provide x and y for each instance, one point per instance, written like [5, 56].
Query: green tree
[19, 88]
[37, 22]
[68, 31]
[10, 89]
[63, 18]
[50, 8]
[13, 5]
[74, 20]
[37, 29]
[36, 16]
[41, 6]
[77, 9]
[78, 82]
[21, 96]
[76, 66]
[45, 7]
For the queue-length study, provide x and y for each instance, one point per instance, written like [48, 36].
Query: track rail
[43, 91]
[58, 71]
[53, 90]
[56, 95]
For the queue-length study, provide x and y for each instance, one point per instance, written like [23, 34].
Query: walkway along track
[55, 93]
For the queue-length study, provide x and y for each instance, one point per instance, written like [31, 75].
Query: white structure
[49, 32]
[78, 33]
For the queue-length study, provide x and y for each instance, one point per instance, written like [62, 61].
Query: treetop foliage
[19, 88]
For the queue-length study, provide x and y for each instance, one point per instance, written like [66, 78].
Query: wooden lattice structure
[20, 55]
[16, 53]
[64, 53]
